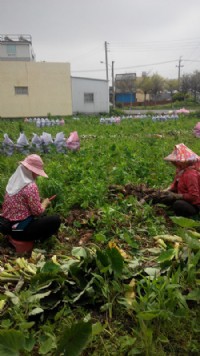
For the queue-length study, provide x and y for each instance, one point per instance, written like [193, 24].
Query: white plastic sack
[60, 142]
[47, 142]
[60, 137]
[22, 144]
[42, 122]
[8, 145]
[46, 138]
[36, 142]
[53, 122]
[37, 122]
[7, 140]
[22, 140]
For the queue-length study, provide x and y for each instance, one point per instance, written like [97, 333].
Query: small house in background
[89, 96]
[125, 89]
[16, 48]
[141, 97]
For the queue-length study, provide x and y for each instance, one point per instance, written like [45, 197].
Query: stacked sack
[164, 117]
[8, 146]
[41, 144]
[45, 121]
[110, 120]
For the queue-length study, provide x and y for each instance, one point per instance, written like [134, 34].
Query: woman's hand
[45, 203]
[176, 196]
[166, 189]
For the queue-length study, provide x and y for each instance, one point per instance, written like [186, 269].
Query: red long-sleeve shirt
[188, 184]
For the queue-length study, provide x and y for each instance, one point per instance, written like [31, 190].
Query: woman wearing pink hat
[185, 189]
[22, 206]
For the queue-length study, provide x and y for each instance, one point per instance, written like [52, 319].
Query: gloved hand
[45, 203]
[175, 196]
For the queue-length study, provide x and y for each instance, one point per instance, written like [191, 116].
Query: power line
[129, 67]
[191, 60]
[153, 42]
[93, 50]
[146, 65]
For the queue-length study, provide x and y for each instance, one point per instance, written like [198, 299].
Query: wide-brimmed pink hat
[35, 164]
[182, 154]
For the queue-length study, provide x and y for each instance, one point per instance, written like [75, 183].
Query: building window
[11, 50]
[21, 90]
[88, 97]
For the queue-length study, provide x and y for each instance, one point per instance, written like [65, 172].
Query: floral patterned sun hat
[35, 164]
[182, 153]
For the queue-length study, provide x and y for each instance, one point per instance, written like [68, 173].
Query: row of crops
[121, 277]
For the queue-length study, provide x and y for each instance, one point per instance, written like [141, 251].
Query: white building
[89, 96]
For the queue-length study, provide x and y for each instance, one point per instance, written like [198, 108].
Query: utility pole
[113, 85]
[106, 60]
[179, 72]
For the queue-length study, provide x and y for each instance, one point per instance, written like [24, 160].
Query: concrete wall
[49, 89]
[140, 96]
[99, 89]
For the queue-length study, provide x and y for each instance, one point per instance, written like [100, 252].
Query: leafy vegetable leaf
[166, 255]
[74, 339]
[79, 252]
[193, 243]
[11, 342]
[148, 315]
[185, 222]
[194, 295]
[50, 267]
[116, 259]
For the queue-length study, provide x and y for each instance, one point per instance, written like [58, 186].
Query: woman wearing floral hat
[185, 189]
[22, 206]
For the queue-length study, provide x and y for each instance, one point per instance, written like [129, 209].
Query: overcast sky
[142, 35]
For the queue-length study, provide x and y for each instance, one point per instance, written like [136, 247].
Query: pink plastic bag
[73, 142]
[196, 130]
[62, 122]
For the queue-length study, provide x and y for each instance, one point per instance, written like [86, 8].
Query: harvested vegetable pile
[140, 192]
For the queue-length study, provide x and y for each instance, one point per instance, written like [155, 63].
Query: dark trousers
[183, 208]
[180, 207]
[41, 228]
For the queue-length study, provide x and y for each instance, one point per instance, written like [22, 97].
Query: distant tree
[157, 85]
[171, 85]
[195, 84]
[185, 84]
[179, 97]
[144, 84]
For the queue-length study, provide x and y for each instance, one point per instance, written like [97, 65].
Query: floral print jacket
[23, 204]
